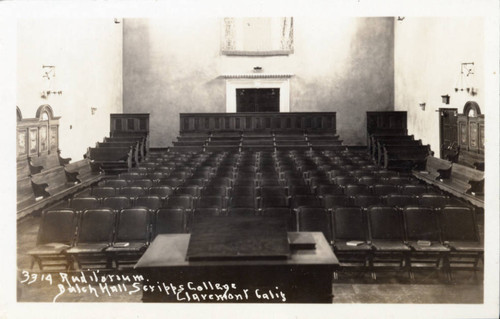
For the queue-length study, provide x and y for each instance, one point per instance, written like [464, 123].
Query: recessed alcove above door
[257, 86]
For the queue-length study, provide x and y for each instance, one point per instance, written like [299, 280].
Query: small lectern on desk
[304, 275]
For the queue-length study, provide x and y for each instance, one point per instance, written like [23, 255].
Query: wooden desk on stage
[305, 277]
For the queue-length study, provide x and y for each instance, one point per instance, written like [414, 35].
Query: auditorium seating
[333, 190]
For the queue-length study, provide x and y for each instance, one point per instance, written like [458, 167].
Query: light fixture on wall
[445, 99]
[422, 105]
[49, 74]
[257, 69]
[117, 21]
[93, 110]
[465, 81]
[400, 18]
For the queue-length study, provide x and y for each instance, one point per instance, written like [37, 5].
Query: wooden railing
[267, 121]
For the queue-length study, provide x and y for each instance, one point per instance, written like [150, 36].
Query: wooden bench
[374, 138]
[435, 169]
[136, 153]
[405, 157]
[84, 173]
[472, 159]
[110, 159]
[397, 142]
[143, 150]
[453, 178]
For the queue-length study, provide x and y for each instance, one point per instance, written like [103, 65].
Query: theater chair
[459, 233]
[385, 225]
[116, 183]
[272, 201]
[94, 236]
[242, 201]
[151, 202]
[314, 219]
[414, 190]
[132, 191]
[400, 201]
[180, 201]
[333, 201]
[104, 191]
[424, 238]
[132, 236]
[145, 183]
[162, 191]
[215, 191]
[366, 201]
[169, 221]
[211, 202]
[357, 189]
[80, 204]
[350, 238]
[116, 203]
[193, 190]
[55, 235]
[434, 201]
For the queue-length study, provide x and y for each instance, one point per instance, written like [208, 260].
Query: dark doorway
[448, 133]
[258, 100]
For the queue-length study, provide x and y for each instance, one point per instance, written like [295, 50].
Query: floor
[390, 287]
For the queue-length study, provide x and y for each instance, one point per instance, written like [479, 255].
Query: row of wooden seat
[117, 153]
[398, 150]
[364, 238]
[267, 200]
[456, 179]
[43, 180]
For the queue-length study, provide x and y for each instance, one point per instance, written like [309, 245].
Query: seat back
[314, 219]
[385, 223]
[458, 224]
[151, 202]
[116, 183]
[367, 200]
[84, 203]
[410, 189]
[215, 191]
[132, 191]
[385, 189]
[397, 200]
[332, 201]
[305, 201]
[192, 190]
[180, 201]
[103, 191]
[170, 221]
[57, 226]
[96, 226]
[133, 225]
[356, 189]
[433, 200]
[162, 191]
[116, 203]
[146, 183]
[348, 224]
[421, 223]
[242, 201]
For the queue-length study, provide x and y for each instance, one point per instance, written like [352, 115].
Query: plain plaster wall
[428, 55]
[87, 55]
[341, 64]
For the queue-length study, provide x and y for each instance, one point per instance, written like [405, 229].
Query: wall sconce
[400, 18]
[93, 110]
[422, 105]
[445, 99]
[466, 78]
[257, 69]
